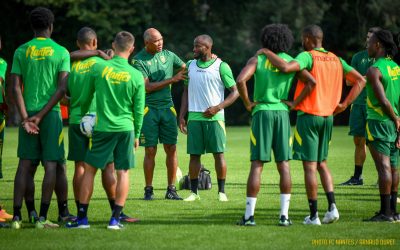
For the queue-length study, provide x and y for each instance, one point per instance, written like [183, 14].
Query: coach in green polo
[159, 125]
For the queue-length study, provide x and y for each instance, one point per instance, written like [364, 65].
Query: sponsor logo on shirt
[83, 67]
[115, 77]
[39, 54]
[325, 58]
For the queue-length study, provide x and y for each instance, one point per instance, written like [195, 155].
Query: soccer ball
[87, 124]
[179, 178]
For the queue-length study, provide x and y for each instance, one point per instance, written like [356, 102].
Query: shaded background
[234, 25]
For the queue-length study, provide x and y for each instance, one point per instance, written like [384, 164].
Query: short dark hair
[385, 37]
[277, 38]
[314, 31]
[374, 29]
[85, 35]
[41, 18]
[124, 40]
[206, 38]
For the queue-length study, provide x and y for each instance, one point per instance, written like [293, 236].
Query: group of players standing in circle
[133, 106]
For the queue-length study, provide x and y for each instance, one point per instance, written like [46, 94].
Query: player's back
[271, 86]
[78, 82]
[38, 62]
[117, 84]
[328, 72]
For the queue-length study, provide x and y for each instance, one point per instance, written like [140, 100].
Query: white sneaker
[331, 216]
[222, 197]
[309, 221]
[192, 197]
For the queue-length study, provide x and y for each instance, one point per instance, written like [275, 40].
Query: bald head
[150, 33]
[153, 41]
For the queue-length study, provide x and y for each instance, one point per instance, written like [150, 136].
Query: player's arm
[357, 81]
[155, 86]
[138, 108]
[374, 77]
[229, 82]
[30, 127]
[183, 110]
[282, 65]
[241, 81]
[83, 54]
[3, 69]
[309, 85]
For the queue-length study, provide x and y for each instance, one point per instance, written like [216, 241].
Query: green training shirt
[361, 62]
[120, 96]
[227, 79]
[78, 87]
[271, 86]
[391, 84]
[157, 68]
[3, 69]
[39, 62]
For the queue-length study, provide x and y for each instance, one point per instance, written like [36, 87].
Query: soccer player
[358, 115]
[313, 130]
[3, 68]
[159, 125]
[270, 126]
[81, 71]
[41, 66]
[120, 97]
[203, 96]
[383, 122]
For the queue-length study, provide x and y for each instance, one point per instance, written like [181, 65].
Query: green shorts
[382, 136]
[358, 120]
[270, 130]
[205, 137]
[312, 136]
[159, 125]
[48, 145]
[78, 143]
[106, 146]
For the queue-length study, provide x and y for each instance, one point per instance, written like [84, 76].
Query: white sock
[285, 201]
[250, 207]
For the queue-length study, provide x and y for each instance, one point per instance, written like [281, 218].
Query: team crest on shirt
[162, 59]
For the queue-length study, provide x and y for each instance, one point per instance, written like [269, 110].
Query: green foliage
[108, 16]
[54, 3]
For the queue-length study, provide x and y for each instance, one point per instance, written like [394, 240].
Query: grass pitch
[209, 224]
